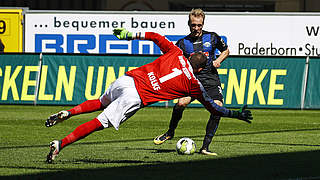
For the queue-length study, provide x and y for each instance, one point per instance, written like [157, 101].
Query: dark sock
[211, 129]
[175, 118]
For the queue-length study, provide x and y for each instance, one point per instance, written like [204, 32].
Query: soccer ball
[186, 146]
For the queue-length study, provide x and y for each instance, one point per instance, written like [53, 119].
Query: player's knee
[218, 102]
[179, 107]
[183, 102]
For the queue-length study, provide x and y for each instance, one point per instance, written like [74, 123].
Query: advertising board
[11, 30]
[65, 79]
[258, 34]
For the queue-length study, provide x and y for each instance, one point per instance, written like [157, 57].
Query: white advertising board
[261, 34]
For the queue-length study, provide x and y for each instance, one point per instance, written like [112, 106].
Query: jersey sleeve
[164, 44]
[181, 45]
[219, 42]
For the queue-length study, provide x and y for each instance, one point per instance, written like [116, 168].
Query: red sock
[82, 131]
[86, 107]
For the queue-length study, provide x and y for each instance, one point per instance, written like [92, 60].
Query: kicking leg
[175, 118]
[211, 129]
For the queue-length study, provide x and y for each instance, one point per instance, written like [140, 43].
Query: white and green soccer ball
[186, 146]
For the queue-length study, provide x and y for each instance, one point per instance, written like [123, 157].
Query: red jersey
[170, 77]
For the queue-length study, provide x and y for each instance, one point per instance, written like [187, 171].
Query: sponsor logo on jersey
[205, 53]
[207, 44]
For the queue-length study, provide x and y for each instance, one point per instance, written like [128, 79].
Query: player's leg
[121, 101]
[177, 114]
[85, 107]
[215, 92]
[211, 130]
[175, 118]
[80, 132]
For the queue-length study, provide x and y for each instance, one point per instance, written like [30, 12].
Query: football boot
[57, 118]
[207, 152]
[162, 138]
[55, 147]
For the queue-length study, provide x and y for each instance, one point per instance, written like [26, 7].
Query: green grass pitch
[279, 144]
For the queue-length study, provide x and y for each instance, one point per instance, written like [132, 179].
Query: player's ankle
[170, 133]
[205, 147]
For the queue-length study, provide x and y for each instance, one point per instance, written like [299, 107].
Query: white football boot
[55, 147]
[207, 152]
[57, 118]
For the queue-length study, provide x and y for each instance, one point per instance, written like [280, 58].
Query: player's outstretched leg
[57, 118]
[85, 107]
[175, 118]
[211, 129]
[80, 132]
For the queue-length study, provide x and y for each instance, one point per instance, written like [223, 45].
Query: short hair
[198, 60]
[196, 13]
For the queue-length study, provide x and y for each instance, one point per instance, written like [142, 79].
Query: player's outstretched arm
[242, 114]
[164, 44]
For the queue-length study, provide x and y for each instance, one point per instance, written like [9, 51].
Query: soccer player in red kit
[169, 77]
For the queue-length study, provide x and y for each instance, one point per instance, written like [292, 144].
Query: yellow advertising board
[11, 30]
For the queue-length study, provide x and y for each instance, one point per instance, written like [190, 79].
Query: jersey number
[176, 72]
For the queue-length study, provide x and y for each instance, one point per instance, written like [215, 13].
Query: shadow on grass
[296, 165]
[152, 150]
[198, 136]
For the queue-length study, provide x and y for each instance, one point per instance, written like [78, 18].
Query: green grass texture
[279, 144]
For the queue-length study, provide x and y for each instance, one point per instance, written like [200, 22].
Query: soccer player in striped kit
[207, 42]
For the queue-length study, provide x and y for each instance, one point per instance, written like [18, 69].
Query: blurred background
[170, 5]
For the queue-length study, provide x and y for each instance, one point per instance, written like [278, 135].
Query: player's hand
[122, 34]
[242, 114]
[216, 64]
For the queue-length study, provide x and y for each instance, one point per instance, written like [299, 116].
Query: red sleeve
[164, 44]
